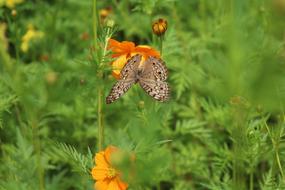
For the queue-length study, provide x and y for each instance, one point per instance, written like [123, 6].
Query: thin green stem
[239, 139]
[100, 120]
[18, 114]
[276, 147]
[100, 95]
[100, 91]
[37, 147]
[280, 134]
[251, 187]
[95, 20]
[160, 44]
[100, 75]
[279, 164]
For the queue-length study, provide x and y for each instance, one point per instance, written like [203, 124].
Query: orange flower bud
[159, 27]
[104, 13]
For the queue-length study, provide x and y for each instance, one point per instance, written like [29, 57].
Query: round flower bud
[110, 23]
[159, 27]
[104, 13]
[14, 13]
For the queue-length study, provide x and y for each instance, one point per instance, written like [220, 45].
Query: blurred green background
[222, 129]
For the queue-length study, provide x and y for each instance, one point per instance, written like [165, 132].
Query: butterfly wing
[153, 77]
[127, 79]
[155, 69]
[131, 67]
[159, 90]
[120, 88]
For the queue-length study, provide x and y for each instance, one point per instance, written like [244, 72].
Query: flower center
[111, 173]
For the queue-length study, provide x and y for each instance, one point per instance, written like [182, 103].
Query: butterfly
[150, 74]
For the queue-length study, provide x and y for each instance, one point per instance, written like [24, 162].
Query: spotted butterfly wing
[153, 77]
[127, 79]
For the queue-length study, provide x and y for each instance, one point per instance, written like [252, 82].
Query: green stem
[239, 138]
[279, 164]
[251, 180]
[276, 147]
[100, 120]
[160, 44]
[237, 169]
[37, 147]
[99, 93]
[95, 20]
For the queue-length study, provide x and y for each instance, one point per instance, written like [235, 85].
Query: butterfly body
[150, 74]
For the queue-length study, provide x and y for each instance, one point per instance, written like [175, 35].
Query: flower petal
[110, 150]
[147, 51]
[102, 184]
[100, 160]
[116, 74]
[120, 48]
[99, 173]
[127, 46]
[114, 185]
[118, 64]
[121, 184]
[113, 43]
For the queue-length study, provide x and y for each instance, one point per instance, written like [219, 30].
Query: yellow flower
[30, 35]
[106, 175]
[122, 51]
[12, 3]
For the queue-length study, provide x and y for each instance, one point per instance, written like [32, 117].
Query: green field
[207, 112]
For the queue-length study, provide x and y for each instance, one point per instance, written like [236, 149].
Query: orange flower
[106, 176]
[122, 51]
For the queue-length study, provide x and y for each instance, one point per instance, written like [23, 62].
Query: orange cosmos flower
[107, 177]
[122, 51]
